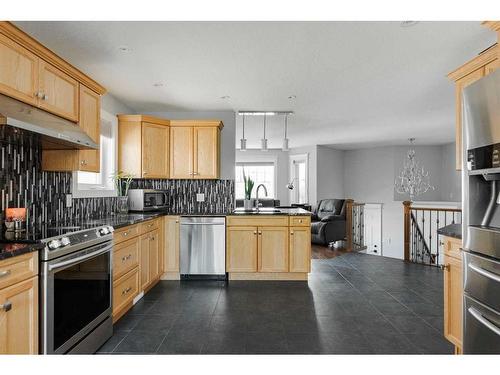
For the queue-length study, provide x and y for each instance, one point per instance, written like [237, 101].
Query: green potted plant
[122, 182]
[249, 183]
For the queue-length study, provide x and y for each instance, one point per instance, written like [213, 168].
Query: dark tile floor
[352, 304]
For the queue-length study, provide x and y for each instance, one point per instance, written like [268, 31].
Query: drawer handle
[4, 273]
[300, 221]
[126, 290]
[445, 267]
[125, 233]
[126, 257]
[6, 306]
[476, 314]
[482, 271]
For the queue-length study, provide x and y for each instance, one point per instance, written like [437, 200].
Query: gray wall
[228, 135]
[280, 158]
[330, 173]
[112, 105]
[369, 176]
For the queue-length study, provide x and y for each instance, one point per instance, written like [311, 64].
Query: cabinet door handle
[38, 94]
[445, 267]
[152, 238]
[6, 306]
[124, 233]
[45, 97]
[4, 273]
[254, 232]
[291, 232]
[260, 232]
[127, 290]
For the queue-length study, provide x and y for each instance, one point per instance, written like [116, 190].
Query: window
[90, 184]
[260, 172]
[299, 177]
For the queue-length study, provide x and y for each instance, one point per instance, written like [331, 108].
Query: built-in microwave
[147, 199]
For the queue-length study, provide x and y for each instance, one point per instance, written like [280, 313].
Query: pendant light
[243, 141]
[263, 141]
[285, 139]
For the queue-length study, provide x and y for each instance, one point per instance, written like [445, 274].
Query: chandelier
[413, 179]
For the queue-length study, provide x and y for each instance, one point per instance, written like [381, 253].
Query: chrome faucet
[257, 195]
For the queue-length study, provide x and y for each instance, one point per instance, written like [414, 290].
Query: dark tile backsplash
[24, 184]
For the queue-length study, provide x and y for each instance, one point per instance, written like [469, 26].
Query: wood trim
[257, 220]
[31, 44]
[198, 123]
[477, 62]
[170, 276]
[262, 276]
[348, 223]
[406, 229]
[143, 118]
[493, 25]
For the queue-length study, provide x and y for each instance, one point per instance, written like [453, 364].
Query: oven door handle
[476, 314]
[482, 271]
[79, 259]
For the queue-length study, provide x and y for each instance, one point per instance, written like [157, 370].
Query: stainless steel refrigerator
[481, 216]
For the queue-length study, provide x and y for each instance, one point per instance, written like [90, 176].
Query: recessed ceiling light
[158, 84]
[124, 49]
[408, 23]
[291, 97]
[225, 97]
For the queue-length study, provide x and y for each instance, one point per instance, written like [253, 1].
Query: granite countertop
[13, 247]
[452, 230]
[8, 249]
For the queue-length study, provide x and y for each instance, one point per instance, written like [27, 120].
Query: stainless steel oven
[76, 293]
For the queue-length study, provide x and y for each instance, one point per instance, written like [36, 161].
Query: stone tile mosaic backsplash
[24, 184]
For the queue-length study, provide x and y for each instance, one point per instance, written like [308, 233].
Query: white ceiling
[357, 84]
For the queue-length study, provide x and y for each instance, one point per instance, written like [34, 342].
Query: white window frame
[293, 159]
[99, 190]
[268, 160]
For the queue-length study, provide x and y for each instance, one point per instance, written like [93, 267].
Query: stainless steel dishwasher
[203, 247]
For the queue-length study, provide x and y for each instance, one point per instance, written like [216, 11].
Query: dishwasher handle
[202, 223]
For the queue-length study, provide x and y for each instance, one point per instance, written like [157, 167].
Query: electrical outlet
[69, 200]
[200, 197]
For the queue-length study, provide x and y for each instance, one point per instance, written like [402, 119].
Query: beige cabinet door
[18, 71]
[19, 318]
[58, 92]
[144, 262]
[181, 152]
[206, 153]
[155, 143]
[300, 249]
[171, 244]
[453, 294]
[460, 85]
[273, 249]
[241, 249]
[90, 122]
[154, 255]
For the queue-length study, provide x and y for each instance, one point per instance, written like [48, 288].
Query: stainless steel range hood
[55, 132]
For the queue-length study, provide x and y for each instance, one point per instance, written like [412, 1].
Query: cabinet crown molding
[198, 123]
[17, 35]
[144, 118]
[477, 62]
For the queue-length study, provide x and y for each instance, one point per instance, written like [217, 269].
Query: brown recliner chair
[328, 222]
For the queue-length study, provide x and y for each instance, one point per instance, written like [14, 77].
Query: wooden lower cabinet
[241, 249]
[171, 247]
[273, 249]
[269, 250]
[125, 256]
[125, 289]
[154, 255]
[453, 296]
[144, 262]
[300, 249]
[19, 305]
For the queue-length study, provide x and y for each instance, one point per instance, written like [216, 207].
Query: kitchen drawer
[125, 233]
[300, 221]
[125, 289]
[482, 328]
[125, 257]
[19, 268]
[452, 247]
[482, 279]
[149, 225]
[257, 220]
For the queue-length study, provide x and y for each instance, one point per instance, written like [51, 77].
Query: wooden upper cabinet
[58, 92]
[90, 122]
[181, 152]
[155, 143]
[19, 323]
[492, 66]
[143, 146]
[273, 249]
[18, 71]
[206, 149]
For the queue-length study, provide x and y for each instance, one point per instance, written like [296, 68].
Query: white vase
[248, 204]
